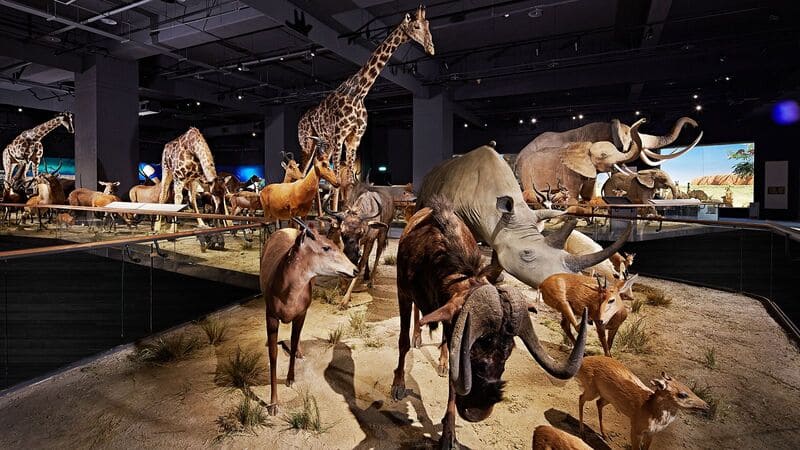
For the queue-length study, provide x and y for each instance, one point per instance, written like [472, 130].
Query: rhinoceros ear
[505, 204]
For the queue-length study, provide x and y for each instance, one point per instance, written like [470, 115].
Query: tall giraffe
[26, 150]
[341, 118]
[185, 162]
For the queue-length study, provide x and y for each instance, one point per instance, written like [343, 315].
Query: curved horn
[60, 163]
[524, 329]
[577, 263]
[539, 196]
[560, 236]
[337, 215]
[650, 141]
[481, 312]
[674, 154]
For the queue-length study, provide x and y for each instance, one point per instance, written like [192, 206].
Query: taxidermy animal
[576, 156]
[486, 196]
[570, 294]
[439, 270]
[84, 196]
[609, 381]
[26, 150]
[546, 437]
[341, 118]
[580, 244]
[290, 262]
[291, 169]
[640, 187]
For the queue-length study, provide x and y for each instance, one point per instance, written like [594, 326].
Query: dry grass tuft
[655, 296]
[636, 305]
[331, 296]
[390, 260]
[710, 358]
[634, 337]
[167, 349]
[307, 418]
[358, 324]
[241, 370]
[246, 417]
[214, 329]
[715, 404]
[335, 335]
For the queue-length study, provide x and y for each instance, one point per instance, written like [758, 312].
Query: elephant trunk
[673, 189]
[652, 142]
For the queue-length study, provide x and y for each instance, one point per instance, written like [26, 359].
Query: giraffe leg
[193, 200]
[178, 186]
[163, 195]
[36, 158]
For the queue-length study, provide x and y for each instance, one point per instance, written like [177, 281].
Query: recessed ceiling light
[698, 107]
[19, 109]
[52, 38]
[695, 96]
[573, 117]
[466, 125]
[197, 103]
[253, 134]
[638, 113]
[282, 58]
[727, 78]
[506, 15]
[580, 116]
[108, 21]
[239, 97]
[485, 125]
[521, 121]
[533, 119]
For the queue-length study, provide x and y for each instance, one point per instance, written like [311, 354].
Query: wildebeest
[290, 262]
[486, 196]
[439, 270]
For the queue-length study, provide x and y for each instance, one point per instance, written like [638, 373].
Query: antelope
[440, 271]
[244, 201]
[546, 437]
[622, 262]
[84, 196]
[290, 262]
[570, 294]
[291, 169]
[649, 411]
[65, 220]
[288, 200]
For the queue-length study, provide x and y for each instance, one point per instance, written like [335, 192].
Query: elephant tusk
[643, 156]
[623, 169]
[676, 153]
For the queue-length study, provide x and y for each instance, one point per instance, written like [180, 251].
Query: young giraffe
[341, 118]
[26, 149]
[186, 161]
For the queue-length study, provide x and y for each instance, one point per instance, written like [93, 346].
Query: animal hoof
[442, 370]
[448, 443]
[289, 382]
[398, 391]
[272, 410]
[417, 341]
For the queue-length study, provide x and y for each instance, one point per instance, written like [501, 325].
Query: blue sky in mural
[243, 173]
[48, 164]
[700, 161]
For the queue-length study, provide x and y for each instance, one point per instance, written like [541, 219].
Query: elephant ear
[646, 179]
[576, 158]
[620, 135]
[603, 155]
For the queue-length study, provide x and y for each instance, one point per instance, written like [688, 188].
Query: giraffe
[185, 162]
[341, 118]
[26, 149]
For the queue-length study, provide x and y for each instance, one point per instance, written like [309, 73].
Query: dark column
[280, 134]
[433, 134]
[107, 123]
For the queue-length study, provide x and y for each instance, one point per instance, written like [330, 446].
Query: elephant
[641, 186]
[577, 156]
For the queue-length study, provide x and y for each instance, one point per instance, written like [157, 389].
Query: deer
[546, 437]
[288, 200]
[650, 411]
[291, 260]
[441, 272]
[570, 294]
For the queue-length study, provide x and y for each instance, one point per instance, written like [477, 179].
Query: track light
[312, 54]
[506, 15]
[240, 67]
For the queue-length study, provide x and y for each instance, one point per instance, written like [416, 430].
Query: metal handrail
[147, 212]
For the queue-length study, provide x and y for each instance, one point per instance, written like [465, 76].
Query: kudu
[290, 262]
[439, 270]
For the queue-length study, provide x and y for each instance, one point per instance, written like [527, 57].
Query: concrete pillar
[433, 134]
[280, 134]
[107, 123]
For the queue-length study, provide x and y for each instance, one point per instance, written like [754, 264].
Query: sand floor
[114, 402]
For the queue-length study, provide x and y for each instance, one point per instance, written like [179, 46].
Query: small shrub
[710, 356]
[654, 295]
[358, 324]
[247, 416]
[331, 296]
[634, 337]
[168, 349]
[242, 370]
[215, 330]
[373, 342]
[307, 418]
[390, 260]
[335, 335]
[636, 305]
[715, 404]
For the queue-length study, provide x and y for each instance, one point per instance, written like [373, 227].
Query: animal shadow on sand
[383, 427]
[571, 425]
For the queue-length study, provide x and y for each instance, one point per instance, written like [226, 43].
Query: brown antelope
[622, 262]
[65, 220]
[546, 437]
[570, 293]
[291, 169]
[288, 200]
[246, 201]
[290, 262]
[609, 381]
[84, 196]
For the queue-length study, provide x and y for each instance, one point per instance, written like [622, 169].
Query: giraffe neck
[358, 85]
[42, 130]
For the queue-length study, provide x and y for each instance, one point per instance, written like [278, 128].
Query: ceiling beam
[283, 12]
[656, 18]
[39, 54]
[197, 90]
[26, 99]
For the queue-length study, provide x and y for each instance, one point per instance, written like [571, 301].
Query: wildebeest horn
[337, 215]
[481, 313]
[558, 238]
[521, 323]
[60, 163]
[577, 263]
[378, 214]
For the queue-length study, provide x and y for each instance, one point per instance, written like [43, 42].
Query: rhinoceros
[486, 196]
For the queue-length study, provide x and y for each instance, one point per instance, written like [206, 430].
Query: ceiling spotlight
[573, 117]
[466, 125]
[240, 67]
[535, 13]
[521, 121]
[239, 97]
[253, 134]
[313, 54]
[698, 107]
[51, 38]
[19, 109]
[638, 113]
[108, 21]
[533, 119]
[485, 125]
[506, 15]
[695, 96]
[580, 116]
[197, 103]
[282, 58]
[727, 78]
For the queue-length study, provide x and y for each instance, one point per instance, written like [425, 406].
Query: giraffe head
[417, 30]
[66, 121]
